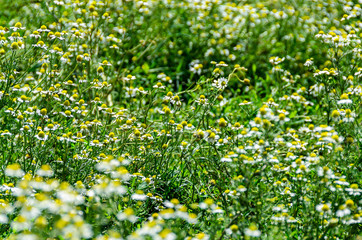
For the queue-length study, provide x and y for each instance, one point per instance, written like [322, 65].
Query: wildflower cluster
[180, 120]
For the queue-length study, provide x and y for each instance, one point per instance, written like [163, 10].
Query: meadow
[180, 119]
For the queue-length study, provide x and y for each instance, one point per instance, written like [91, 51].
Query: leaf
[254, 68]
[179, 66]
[293, 114]
[146, 68]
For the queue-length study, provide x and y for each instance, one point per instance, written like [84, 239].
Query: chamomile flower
[127, 214]
[42, 136]
[344, 100]
[45, 171]
[220, 83]
[324, 208]
[14, 170]
[252, 231]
